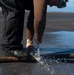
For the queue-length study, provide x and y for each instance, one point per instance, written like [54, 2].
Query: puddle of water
[56, 67]
[0, 71]
[65, 38]
[59, 39]
[46, 66]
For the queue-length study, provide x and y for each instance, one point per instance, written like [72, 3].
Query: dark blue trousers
[13, 11]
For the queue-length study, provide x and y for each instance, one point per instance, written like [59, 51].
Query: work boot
[12, 55]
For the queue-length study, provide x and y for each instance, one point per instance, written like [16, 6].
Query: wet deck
[57, 38]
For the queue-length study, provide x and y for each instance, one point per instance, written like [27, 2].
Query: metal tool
[38, 51]
[37, 55]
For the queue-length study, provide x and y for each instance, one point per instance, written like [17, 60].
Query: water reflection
[48, 68]
[65, 38]
[21, 69]
[60, 39]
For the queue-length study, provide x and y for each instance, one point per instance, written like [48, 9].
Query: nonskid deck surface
[64, 55]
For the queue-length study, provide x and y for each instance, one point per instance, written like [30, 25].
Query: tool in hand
[37, 55]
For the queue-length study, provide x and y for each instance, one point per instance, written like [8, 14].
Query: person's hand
[38, 38]
[38, 41]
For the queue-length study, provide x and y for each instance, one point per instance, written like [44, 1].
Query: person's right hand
[38, 39]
